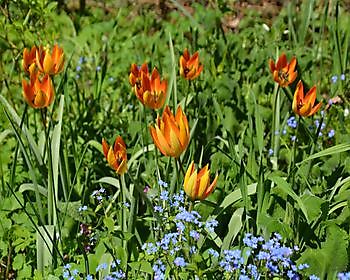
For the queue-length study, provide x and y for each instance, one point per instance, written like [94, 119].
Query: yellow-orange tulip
[116, 156]
[190, 68]
[303, 105]
[284, 73]
[154, 90]
[28, 61]
[197, 185]
[38, 94]
[171, 134]
[50, 63]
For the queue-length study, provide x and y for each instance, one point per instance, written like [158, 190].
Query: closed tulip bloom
[197, 185]
[50, 63]
[304, 105]
[284, 73]
[154, 94]
[171, 134]
[190, 68]
[137, 74]
[28, 61]
[38, 93]
[116, 156]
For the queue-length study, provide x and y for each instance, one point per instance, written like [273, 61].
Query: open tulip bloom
[116, 156]
[303, 105]
[38, 93]
[50, 63]
[190, 68]
[284, 73]
[171, 134]
[197, 185]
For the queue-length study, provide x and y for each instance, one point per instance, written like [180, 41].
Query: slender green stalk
[276, 127]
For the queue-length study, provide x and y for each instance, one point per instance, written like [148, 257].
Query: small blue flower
[111, 79]
[126, 204]
[164, 195]
[101, 266]
[334, 79]
[194, 234]
[270, 152]
[313, 277]
[89, 277]
[180, 261]
[67, 266]
[78, 68]
[211, 225]
[158, 208]
[342, 77]
[77, 76]
[213, 252]
[292, 122]
[293, 138]
[344, 276]
[98, 68]
[162, 183]
[81, 60]
[331, 133]
[82, 208]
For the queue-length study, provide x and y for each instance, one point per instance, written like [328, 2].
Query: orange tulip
[197, 185]
[284, 73]
[28, 61]
[116, 156]
[137, 74]
[38, 94]
[190, 68]
[171, 134]
[154, 94]
[47, 63]
[303, 105]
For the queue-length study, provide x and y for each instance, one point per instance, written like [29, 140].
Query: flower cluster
[40, 63]
[178, 234]
[284, 74]
[111, 271]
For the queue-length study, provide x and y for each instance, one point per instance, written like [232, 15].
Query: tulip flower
[50, 63]
[284, 73]
[197, 185]
[154, 90]
[137, 74]
[303, 105]
[171, 134]
[116, 156]
[190, 68]
[38, 94]
[28, 61]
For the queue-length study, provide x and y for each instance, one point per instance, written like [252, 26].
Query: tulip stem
[123, 212]
[276, 127]
[180, 166]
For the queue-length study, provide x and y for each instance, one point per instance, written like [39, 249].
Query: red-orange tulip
[50, 63]
[284, 73]
[190, 68]
[116, 156]
[171, 134]
[303, 105]
[28, 61]
[197, 185]
[38, 94]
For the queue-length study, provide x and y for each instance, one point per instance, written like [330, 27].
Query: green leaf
[234, 227]
[236, 196]
[283, 185]
[329, 151]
